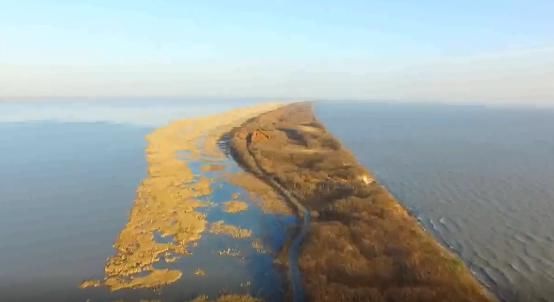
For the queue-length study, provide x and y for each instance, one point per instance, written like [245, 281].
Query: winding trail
[294, 274]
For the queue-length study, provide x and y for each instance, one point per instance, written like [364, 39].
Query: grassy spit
[362, 244]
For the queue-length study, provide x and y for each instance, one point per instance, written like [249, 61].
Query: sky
[486, 51]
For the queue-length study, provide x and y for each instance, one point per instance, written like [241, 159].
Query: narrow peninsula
[352, 241]
[359, 243]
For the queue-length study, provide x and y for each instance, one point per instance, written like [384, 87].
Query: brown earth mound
[362, 244]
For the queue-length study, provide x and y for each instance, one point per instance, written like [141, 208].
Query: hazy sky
[493, 51]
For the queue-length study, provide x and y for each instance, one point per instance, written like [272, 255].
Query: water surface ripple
[480, 179]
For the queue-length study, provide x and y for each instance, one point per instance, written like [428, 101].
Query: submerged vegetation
[219, 227]
[261, 193]
[361, 244]
[167, 203]
[235, 206]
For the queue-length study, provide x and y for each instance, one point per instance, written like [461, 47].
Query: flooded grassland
[194, 231]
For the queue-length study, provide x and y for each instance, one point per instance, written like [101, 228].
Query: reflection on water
[481, 179]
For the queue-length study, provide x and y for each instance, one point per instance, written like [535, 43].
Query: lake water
[65, 193]
[480, 179]
[69, 172]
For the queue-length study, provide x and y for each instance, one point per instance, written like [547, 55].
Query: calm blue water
[480, 179]
[68, 176]
[66, 190]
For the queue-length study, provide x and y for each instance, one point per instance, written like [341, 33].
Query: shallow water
[68, 180]
[480, 179]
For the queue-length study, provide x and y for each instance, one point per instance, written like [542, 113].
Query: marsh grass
[363, 246]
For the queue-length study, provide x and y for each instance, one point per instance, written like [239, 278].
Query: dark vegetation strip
[361, 245]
